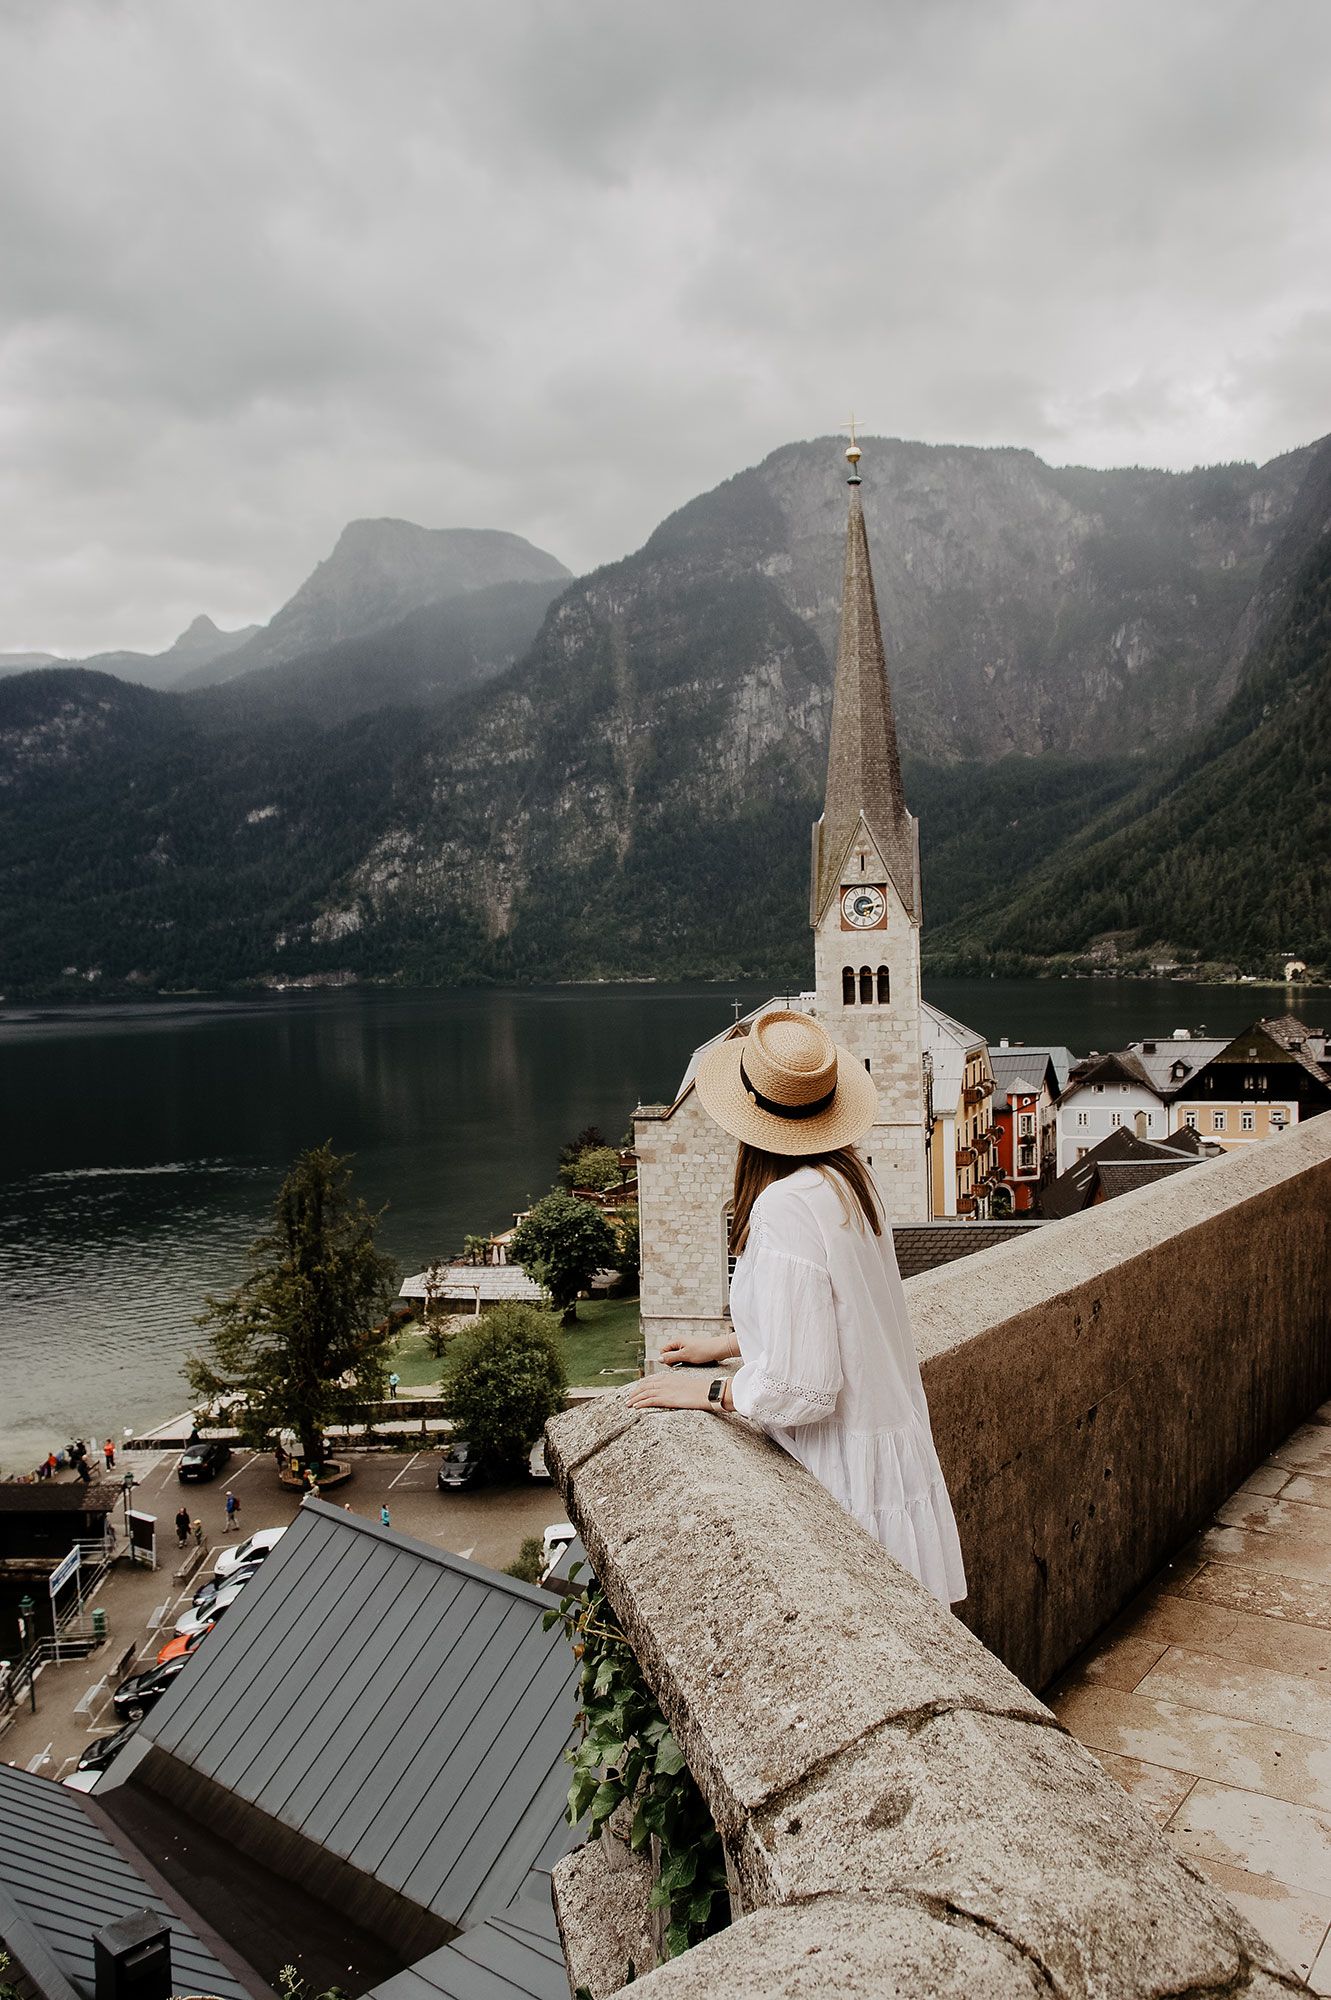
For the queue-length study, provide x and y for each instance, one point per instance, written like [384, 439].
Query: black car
[203, 1459]
[462, 1466]
[206, 1592]
[134, 1697]
[99, 1753]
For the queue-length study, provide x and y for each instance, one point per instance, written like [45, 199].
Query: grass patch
[608, 1335]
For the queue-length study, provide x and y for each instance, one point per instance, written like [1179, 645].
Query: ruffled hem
[892, 1483]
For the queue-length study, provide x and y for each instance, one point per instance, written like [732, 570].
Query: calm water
[140, 1148]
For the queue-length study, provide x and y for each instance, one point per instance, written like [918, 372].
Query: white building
[1104, 1095]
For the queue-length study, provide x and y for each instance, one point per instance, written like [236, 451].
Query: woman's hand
[698, 1349]
[670, 1392]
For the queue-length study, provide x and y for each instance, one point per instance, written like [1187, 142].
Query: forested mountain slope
[632, 796]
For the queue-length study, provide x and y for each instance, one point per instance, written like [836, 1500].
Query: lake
[141, 1147]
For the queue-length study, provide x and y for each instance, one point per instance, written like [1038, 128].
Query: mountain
[632, 795]
[1225, 857]
[378, 572]
[22, 663]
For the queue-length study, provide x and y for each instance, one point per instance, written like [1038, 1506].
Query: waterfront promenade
[1209, 1699]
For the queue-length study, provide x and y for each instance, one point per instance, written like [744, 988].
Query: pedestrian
[50, 1464]
[83, 1471]
[109, 1453]
[182, 1527]
[393, 1381]
[198, 1534]
[383, 1515]
[232, 1509]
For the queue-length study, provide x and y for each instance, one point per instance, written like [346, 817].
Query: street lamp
[27, 1626]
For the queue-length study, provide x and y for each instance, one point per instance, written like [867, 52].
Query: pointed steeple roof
[863, 763]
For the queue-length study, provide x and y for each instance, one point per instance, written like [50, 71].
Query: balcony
[965, 1157]
[975, 1093]
[965, 1204]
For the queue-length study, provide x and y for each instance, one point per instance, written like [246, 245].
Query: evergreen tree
[303, 1338]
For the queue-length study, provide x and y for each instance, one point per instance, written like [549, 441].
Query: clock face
[863, 907]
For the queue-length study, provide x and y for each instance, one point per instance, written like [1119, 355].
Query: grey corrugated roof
[61, 1879]
[398, 1706]
[56, 1496]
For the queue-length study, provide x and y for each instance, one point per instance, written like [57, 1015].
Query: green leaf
[550, 1618]
[608, 1796]
[669, 1756]
[677, 1940]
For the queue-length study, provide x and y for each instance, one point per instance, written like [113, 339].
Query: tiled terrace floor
[1209, 1699]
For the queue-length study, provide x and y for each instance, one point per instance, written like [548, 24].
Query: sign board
[64, 1570]
[142, 1537]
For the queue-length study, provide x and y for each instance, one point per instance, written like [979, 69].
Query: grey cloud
[561, 264]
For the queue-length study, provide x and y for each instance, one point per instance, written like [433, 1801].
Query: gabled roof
[1282, 1041]
[488, 1282]
[948, 1043]
[1124, 1066]
[61, 1879]
[387, 1703]
[1062, 1058]
[1160, 1058]
[1032, 1067]
[1118, 1164]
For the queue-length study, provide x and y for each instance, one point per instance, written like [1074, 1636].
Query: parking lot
[487, 1524]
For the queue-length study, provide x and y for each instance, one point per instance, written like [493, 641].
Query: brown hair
[756, 1170]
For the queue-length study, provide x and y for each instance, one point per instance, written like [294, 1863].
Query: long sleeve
[792, 1361]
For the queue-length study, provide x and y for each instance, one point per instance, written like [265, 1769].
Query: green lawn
[600, 1350]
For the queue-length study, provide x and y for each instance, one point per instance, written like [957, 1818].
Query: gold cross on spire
[849, 426]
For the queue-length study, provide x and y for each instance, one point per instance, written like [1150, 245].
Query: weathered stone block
[600, 1896]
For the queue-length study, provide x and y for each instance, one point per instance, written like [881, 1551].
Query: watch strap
[716, 1391]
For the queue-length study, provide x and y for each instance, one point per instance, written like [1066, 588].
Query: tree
[595, 1167]
[590, 1137]
[561, 1244]
[303, 1338]
[630, 1247]
[475, 1249]
[507, 1381]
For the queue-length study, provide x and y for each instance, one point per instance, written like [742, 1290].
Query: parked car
[134, 1697]
[258, 1546]
[215, 1585]
[100, 1752]
[462, 1466]
[173, 1648]
[198, 1616]
[536, 1465]
[203, 1459]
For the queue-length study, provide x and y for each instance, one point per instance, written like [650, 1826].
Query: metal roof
[1015, 1067]
[393, 1704]
[61, 1879]
[514, 1955]
[488, 1282]
[56, 1496]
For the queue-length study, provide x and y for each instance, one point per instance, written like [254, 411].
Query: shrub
[508, 1380]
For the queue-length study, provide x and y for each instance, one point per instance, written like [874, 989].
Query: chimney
[132, 1958]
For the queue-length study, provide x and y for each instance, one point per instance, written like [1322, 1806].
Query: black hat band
[784, 1110]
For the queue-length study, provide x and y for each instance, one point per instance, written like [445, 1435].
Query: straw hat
[786, 1087]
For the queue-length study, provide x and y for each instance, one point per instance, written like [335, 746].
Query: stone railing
[901, 1817]
[1098, 1386]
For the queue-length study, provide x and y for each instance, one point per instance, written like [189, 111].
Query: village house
[1108, 1094]
[1025, 1089]
[1264, 1081]
[963, 1146]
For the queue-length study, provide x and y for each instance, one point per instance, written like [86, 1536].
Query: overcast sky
[559, 265]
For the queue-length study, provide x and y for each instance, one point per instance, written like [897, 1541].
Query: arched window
[848, 986]
[866, 986]
[884, 986]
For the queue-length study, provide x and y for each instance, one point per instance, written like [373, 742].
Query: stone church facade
[865, 914]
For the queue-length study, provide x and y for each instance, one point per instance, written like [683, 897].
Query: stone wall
[901, 1816]
[686, 1170]
[1100, 1385]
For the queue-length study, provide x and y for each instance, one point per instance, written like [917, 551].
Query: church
[865, 913]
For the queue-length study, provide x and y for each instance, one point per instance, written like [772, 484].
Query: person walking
[820, 1319]
[109, 1454]
[198, 1534]
[383, 1515]
[232, 1510]
[393, 1381]
[182, 1527]
[84, 1471]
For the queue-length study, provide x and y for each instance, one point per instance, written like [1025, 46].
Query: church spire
[863, 764]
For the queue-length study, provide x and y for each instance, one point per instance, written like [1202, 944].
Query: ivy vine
[628, 1754]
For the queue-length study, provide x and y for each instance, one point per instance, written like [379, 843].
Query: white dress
[830, 1370]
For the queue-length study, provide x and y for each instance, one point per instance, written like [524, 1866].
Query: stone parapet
[900, 1814]
[1099, 1386]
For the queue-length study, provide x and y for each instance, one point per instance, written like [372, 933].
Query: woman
[821, 1325]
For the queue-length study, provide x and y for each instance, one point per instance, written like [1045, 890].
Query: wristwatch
[716, 1392]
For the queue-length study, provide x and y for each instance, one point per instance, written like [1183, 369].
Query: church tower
[865, 904]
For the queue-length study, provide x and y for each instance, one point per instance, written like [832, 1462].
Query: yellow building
[963, 1141]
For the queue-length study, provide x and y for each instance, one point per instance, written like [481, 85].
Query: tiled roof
[61, 1879]
[489, 1282]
